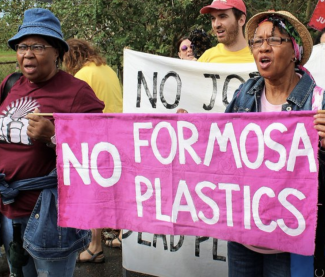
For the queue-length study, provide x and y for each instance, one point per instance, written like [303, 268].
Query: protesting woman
[28, 178]
[281, 45]
[84, 61]
[193, 46]
[185, 49]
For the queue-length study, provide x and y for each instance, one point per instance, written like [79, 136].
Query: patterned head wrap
[299, 34]
[296, 40]
[281, 23]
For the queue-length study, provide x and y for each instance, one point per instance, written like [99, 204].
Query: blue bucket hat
[39, 22]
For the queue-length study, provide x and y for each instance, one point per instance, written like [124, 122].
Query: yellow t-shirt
[106, 85]
[219, 54]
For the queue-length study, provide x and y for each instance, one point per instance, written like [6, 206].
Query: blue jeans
[243, 262]
[37, 267]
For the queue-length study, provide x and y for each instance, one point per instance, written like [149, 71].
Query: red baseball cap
[224, 5]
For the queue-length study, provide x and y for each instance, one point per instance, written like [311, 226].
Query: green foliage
[151, 26]
[13, 13]
[146, 26]
[302, 9]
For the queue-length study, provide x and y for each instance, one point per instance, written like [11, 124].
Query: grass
[7, 56]
[6, 69]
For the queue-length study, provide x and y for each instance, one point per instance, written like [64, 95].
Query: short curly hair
[80, 53]
[200, 41]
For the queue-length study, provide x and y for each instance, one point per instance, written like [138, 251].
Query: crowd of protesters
[276, 41]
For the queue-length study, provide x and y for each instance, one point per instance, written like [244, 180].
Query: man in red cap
[228, 18]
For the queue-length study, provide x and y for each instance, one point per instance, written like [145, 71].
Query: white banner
[315, 64]
[158, 84]
[174, 256]
[155, 84]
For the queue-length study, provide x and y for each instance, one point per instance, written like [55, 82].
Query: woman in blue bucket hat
[28, 181]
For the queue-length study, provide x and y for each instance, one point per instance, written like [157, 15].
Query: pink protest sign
[248, 177]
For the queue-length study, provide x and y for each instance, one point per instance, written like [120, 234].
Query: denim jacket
[43, 238]
[247, 98]
[9, 192]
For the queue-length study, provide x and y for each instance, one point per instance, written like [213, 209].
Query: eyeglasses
[185, 47]
[272, 41]
[35, 48]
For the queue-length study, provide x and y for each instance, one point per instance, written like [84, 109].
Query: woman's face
[37, 67]
[185, 51]
[273, 62]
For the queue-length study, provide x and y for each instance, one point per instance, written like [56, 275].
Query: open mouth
[265, 62]
[29, 68]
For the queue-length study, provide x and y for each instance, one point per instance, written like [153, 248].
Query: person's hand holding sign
[182, 111]
[320, 126]
[39, 127]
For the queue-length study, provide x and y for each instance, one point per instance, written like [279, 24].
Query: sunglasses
[185, 47]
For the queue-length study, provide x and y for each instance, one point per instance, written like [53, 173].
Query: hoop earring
[294, 60]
